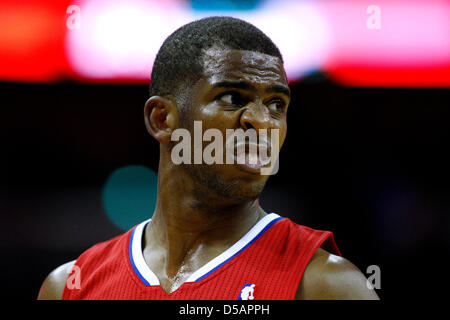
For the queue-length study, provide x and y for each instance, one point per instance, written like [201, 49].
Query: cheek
[282, 133]
[212, 117]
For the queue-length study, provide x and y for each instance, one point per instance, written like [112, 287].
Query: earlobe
[161, 118]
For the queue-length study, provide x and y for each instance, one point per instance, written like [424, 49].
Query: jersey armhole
[324, 241]
[73, 282]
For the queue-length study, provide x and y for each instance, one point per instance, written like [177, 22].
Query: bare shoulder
[53, 286]
[330, 277]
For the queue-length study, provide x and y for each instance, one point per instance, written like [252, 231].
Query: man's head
[179, 62]
[227, 74]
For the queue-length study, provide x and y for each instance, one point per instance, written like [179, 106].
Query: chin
[239, 190]
[234, 187]
[247, 191]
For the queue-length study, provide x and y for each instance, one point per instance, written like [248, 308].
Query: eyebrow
[279, 89]
[244, 85]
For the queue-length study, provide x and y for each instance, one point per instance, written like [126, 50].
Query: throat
[171, 272]
[171, 284]
[176, 254]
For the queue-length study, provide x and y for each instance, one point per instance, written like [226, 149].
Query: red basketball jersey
[266, 263]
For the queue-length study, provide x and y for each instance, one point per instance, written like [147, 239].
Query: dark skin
[201, 209]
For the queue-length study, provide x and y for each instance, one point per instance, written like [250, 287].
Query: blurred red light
[363, 76]
[31, 40]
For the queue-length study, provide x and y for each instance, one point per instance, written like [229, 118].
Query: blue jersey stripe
[132, 261]
[253, 240]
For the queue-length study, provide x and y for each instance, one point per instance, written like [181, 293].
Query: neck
[186, 228]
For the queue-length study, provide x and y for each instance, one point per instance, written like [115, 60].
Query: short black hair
[179, 60]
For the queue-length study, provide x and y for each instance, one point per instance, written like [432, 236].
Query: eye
[232, 98]
[277, 105]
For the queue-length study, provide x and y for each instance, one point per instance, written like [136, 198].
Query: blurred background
[366, 154]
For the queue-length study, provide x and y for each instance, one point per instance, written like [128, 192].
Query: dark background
[369, 164]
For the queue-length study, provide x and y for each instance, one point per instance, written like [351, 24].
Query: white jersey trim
[150, 278]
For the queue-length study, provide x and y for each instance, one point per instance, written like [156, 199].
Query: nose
[255, 116]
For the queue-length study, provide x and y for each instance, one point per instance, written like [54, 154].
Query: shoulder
[53, 286]
[330, 277]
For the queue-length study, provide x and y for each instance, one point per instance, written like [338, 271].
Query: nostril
[247, 125]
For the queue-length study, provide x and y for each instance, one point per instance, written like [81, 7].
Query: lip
[253, 165]
[252, 168]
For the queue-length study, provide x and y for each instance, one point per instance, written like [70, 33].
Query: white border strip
[234, 249]
[138, 256]
[144, 270]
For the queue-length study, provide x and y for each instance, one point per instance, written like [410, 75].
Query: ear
[161, 118]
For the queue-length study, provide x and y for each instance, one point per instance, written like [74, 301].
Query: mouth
[251, 157]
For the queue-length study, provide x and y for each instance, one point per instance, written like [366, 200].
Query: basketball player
[209, 238]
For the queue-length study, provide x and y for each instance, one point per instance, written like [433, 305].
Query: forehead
[220, 64]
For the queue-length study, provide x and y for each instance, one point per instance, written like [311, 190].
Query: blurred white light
[410, 34]
[120, 39]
